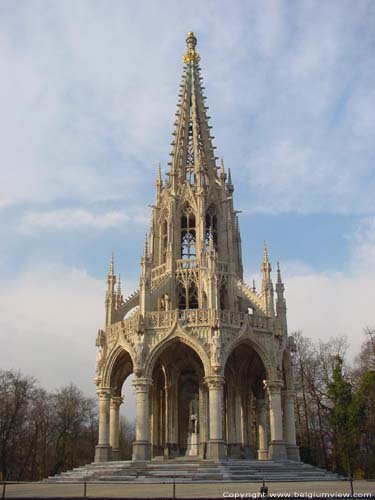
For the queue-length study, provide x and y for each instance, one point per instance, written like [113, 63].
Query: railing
[186, 264]
[158, 271]
[223, 267]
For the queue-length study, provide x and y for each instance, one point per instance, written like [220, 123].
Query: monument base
[216, 450]
[249, 452]
[103, 453]
[234, 450]
[141, 451]
[277, 451]
[292, 452]
[262, 454]
[192, 444]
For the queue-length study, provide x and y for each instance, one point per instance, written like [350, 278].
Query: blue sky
[88, 95]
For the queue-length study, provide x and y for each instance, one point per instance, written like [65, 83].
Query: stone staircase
[185, 471]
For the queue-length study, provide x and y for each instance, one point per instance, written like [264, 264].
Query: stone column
[261, 421]
[277, 449]
[216, 449]
[142, 445]
[103, 449]
[202, 422]
[248, 425]
[114, 426]
[292, 449]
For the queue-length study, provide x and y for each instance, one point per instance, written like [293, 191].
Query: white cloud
[325, 305]
[76, 218]
[49, 318]
[89, 95]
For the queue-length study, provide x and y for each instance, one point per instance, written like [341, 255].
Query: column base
[202, 450]
[249, 451]
[103, 453]
[216, 450]
[234, 450]
[141, 450]
[262, 454]
[277, 451]
[292, 452]
[115, 454]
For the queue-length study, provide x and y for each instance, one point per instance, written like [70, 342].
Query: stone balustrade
[158, 271]
[188, 318]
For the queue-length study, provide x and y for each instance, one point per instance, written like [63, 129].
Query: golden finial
[190, 54]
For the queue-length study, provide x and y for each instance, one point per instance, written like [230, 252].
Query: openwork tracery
[188, 234]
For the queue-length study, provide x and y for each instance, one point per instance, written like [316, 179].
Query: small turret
[280, 300]
[119, 297]
[110, 298]
[145, 280]
[159, 184]
[230, 187]
[254, 288]
[267, 286]
[223, 175]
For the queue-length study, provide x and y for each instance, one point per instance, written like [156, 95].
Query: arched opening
[188, 234]
[131, 312]
[188, 297]
[122, 415]
[178, 421]
[245, 402]
[127, 419]
[223, 297]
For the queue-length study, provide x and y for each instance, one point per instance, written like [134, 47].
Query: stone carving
[194, 414]
[216, 347]
[100, 344]
[99, 359]
[139, 350]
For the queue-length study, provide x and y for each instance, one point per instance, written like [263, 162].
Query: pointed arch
[247, 340]
[188, 237]
[177, 334]
[118, 366]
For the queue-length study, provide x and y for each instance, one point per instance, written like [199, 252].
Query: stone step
[196, 471]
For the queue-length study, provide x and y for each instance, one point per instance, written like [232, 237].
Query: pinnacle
[112, 265]
[265, 252]
[191, 43]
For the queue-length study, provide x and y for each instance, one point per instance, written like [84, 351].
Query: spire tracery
[192, 155]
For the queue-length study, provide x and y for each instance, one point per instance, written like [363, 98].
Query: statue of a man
[99, 359]
[138, 350]
[216, 347]
[194, 413]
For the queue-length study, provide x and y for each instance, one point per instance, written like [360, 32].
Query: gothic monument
[210, 355]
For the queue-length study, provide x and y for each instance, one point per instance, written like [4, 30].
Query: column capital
[289, 395]
[274, 386]
[116, 401]
[142, 384]
[215, 381]
[104, 392]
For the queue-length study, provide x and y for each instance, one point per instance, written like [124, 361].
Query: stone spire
[267, 286]
[193, 158]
